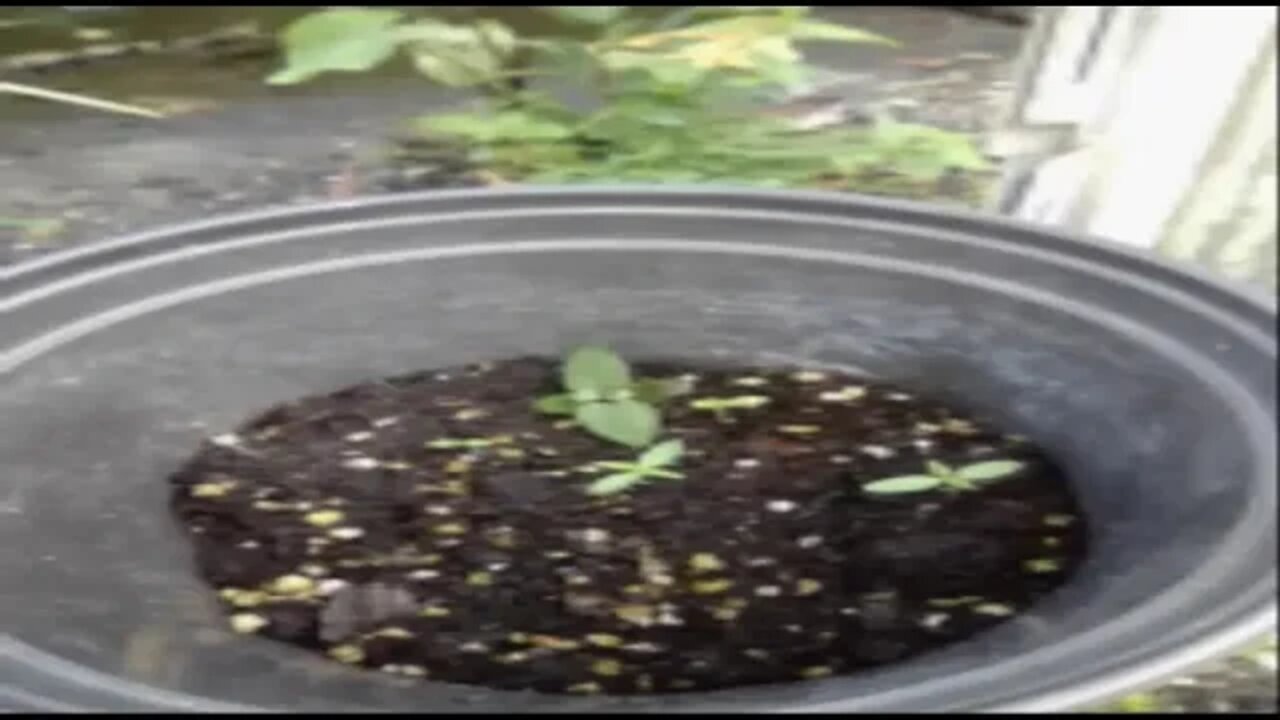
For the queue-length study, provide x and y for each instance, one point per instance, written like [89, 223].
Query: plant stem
[12, 88]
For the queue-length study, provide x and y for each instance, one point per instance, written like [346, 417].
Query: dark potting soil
[328, 523]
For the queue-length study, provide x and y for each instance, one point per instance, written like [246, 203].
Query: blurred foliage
[679, 97]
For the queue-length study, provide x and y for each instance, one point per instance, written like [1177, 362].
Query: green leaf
[654, 391]
[626, 422]
[555, 405]
[585, 15]
[938, 469]
[817, 30]
[506, 126]
[343, 39]
[902, 485]
[662, 454]
[989, 470]
[618, 466]
[595, 368]
[616, 483]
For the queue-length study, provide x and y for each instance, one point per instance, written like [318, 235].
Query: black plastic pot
[1155, 387]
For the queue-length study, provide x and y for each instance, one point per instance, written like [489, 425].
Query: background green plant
[676, 97]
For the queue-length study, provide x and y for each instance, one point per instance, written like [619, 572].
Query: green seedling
[603, 398]
[468, 443]
[651, 464]
[722, 406]
[940, 476]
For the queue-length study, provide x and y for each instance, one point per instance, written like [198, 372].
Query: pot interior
[1160, 409]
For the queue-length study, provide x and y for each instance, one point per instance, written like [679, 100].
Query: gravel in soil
[436, 525]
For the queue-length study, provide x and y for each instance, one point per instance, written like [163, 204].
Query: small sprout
[942, 476]
[384, 422]
[607, 668]
[642, 615]
[602, 397]
[468, 443]
[450, 529]
[799, 429]
[809, 542]
[480, 578]
[808, 586]
[438, 510]
[746, 463]
[1042, 565]
[392, 633]
[358, 436]
[425, 574]
[346, 533]
[324, 518]
[815, 672]
[473, 647]
[213, 489]
[1058, 521]
[510, 453]
[434, 611]
[721, 406]
[513, 658]
[585, 688]
[650, 464]
[247, 623]
[705, 562]
[768, 591]
[711, 587]
[750, 381]
[604, 640]
[227, 440]
[361, 463]
[844, 394]
[349, 654]
[292, 585]
[271, 506]
[756, 653]
[993, 609]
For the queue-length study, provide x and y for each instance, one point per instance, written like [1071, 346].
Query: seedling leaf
[902, 485]
[662, 454]
[595, 368]
[989, 470]
[626, 422]
[555, 405]
[616, 483]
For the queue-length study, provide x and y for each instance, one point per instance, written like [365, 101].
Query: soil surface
[436, 525]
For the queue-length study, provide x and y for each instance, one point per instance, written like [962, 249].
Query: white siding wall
[1151, 126]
